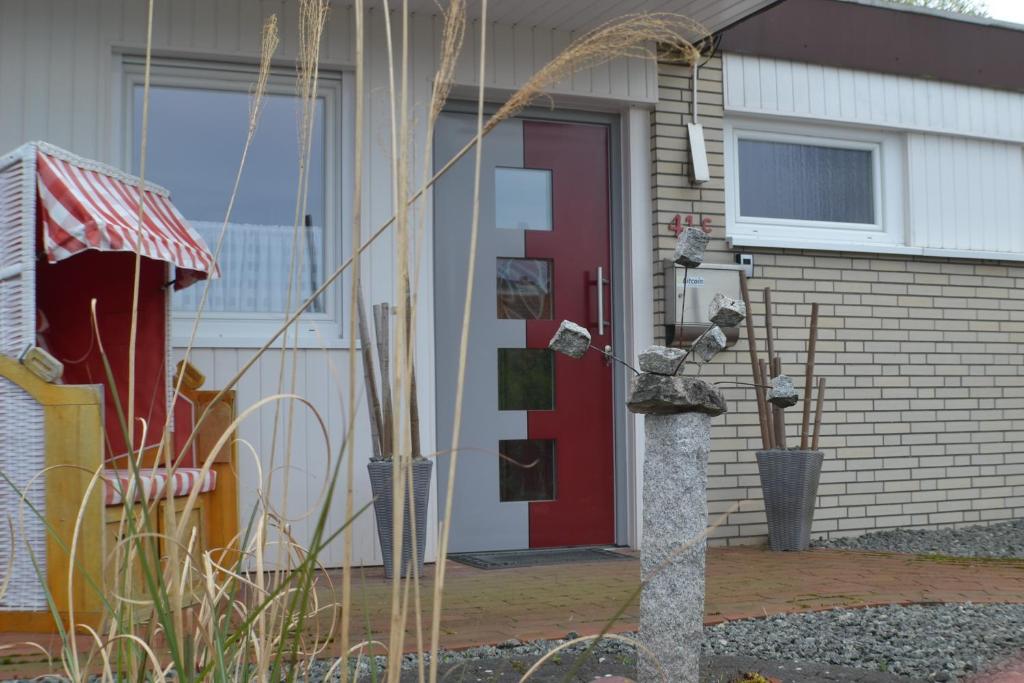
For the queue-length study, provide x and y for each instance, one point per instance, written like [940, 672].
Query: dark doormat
[510, 559]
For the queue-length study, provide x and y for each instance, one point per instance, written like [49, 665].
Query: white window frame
[886, 233]
[251, 330]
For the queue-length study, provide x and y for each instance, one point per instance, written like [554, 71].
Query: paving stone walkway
[486, 607]
[548, 602]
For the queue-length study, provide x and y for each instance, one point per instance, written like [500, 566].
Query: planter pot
[383, 508]
[789, 481]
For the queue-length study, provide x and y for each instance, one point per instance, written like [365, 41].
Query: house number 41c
[676, 226]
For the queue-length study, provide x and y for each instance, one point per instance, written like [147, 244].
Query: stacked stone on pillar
[677, 414]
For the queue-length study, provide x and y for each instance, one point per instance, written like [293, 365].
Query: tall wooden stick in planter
[789, 476]
[812, 342]
[372, 400]
[817, 413]
[762, 406]
[381, 468]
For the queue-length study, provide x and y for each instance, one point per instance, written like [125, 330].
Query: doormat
[510, 559]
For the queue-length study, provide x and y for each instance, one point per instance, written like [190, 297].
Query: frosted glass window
[524, 289]
[786, 180]
[522, 198]
[527, 470]
[196, 136]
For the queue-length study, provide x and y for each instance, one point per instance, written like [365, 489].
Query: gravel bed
[918, 643]
[915, 643]
[1002, 540]
[924, 642]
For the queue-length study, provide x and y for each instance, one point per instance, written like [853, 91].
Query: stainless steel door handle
[600, 300]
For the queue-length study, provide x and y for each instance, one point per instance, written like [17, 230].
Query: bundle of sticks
[773, 418]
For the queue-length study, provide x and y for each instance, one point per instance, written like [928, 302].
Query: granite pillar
[677, 424]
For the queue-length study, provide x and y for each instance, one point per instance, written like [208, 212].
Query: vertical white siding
[516, 52]
[965, 194]
[759, 85]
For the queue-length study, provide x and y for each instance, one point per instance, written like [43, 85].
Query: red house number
[676, 226]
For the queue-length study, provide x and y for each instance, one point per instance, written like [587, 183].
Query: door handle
[600, 300]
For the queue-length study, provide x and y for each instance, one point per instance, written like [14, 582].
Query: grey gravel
[1005, 540]
[915, 643]
[924, 642]
[920, 643]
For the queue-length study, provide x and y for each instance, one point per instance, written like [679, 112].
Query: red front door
[583, 512]
[544, 237]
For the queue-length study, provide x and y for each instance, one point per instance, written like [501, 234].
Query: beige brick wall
[671, 191]
[924, 360]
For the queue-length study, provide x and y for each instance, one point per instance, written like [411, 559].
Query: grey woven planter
[383, 508]
[789, 481]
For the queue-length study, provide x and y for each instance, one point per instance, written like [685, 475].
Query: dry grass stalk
[312, 21]
[453, 34]
[356, 304]
[439, 575]
[397, 429]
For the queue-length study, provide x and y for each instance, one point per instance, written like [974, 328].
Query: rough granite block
[726, 312]
[570, 339]
[661, 360]
[709, 344]
[660, 395]
[783, 393]
[690, 247]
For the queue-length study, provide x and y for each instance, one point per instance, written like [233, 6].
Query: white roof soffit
[582, 15]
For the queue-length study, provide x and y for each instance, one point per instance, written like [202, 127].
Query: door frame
[624, 483]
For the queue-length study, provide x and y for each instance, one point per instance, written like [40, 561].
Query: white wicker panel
[22, 457]
[17, 250]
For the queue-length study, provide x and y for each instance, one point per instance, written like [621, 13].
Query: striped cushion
[185, 480]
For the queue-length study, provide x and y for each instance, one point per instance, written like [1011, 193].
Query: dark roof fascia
[873, 37]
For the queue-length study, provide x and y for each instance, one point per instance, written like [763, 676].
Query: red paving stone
[547, 602]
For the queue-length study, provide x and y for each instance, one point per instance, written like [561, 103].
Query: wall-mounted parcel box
[684, 323]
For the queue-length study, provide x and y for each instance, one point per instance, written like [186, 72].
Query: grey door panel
[479, 520]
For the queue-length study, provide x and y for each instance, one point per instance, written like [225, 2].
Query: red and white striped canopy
[88, 205]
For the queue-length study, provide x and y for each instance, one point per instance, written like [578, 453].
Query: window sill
[821, 245]
[219, 334]
[734, 241]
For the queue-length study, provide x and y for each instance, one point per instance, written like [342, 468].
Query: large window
[803, 185]
[275, 253]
